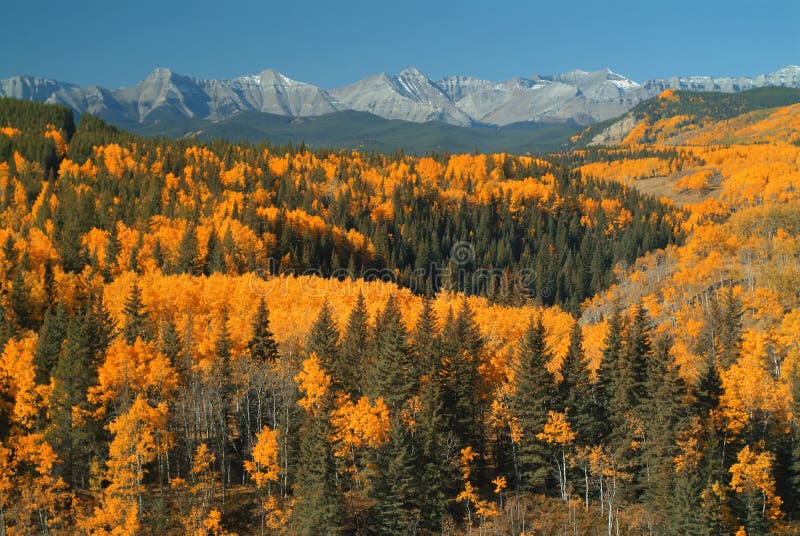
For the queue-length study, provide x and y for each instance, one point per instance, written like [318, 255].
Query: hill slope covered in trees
[248, 338]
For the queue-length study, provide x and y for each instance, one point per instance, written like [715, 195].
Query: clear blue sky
[332, 43]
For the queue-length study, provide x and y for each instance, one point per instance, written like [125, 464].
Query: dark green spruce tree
[188, 257]
[426, 344]
[48, 346]
[533, 398]
[136, 317]
[393, 372]
[320, 506]
[575, 395]
[462, 344]
[605, 384]
[665, 418]
[262, 345]
[323, 339]
[215, 254]
[347, 368]
[397, 488]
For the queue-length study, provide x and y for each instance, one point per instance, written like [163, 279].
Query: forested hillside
[666, 118]
[231, 338]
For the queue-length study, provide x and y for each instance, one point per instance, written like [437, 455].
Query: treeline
[714, 105]
[532, 227]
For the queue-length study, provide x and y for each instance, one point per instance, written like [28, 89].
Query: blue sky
[332, 43]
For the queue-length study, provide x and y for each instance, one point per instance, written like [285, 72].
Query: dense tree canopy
[479, 343]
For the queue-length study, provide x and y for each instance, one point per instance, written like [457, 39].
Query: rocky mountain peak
[583, 96]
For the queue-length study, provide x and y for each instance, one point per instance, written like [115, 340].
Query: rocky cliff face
[583, 97]
[410, 96]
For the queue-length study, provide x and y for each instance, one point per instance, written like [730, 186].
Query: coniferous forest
[215, 338]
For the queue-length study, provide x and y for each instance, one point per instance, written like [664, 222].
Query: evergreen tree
[397, 490]
[531, 402]
[136, 317]
[19, 301]
[319, 508]
[215, 254]
[188, 257]
[605, 386]
[393, 371]
[346, 369]
[425, 344]
[48, 346]
[436, 475]
[10, 252]
[575, 389]
[171, 344]
[323, 339]
[158, 254]
[665, 416]
[793, 477]
[462, 344]
[630, 388]
[262, 345]
[111, 252]
[224, 388]
[49, 280]
[685, 506]
[100, 324]
[73, 374]
[730, 337]
[709, 387]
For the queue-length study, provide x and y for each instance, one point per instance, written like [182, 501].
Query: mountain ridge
[579, 96]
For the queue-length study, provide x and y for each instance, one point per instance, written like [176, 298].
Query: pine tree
[709, 387]
[48, 346]
[188, 257]
[346, 370]
[462, 345]
[630, 384]
[215, 255]
[425, 344]
[397, 490]
[19, 301]
[158, 254]
[136, 317]
[531, 402]
[685, 508]
[225, 389]
[605, 386]
[319, 508]
[467, 332]
[730, 336]
[10, 252]
[100, 324]
[665, 416]
[262, 345]
[575, 389]
[73, 374]
[323, 339]
[435, 469]
[393, 373]
[171, 344]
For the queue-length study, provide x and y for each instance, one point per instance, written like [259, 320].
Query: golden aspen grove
[216, 338]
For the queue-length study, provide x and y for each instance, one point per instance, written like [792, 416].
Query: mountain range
[580, 97]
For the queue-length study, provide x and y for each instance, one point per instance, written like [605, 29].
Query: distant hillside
[362, 130]
[675, 112]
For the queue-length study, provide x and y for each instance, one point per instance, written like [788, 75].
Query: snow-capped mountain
[583, 97]
[410, 96]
